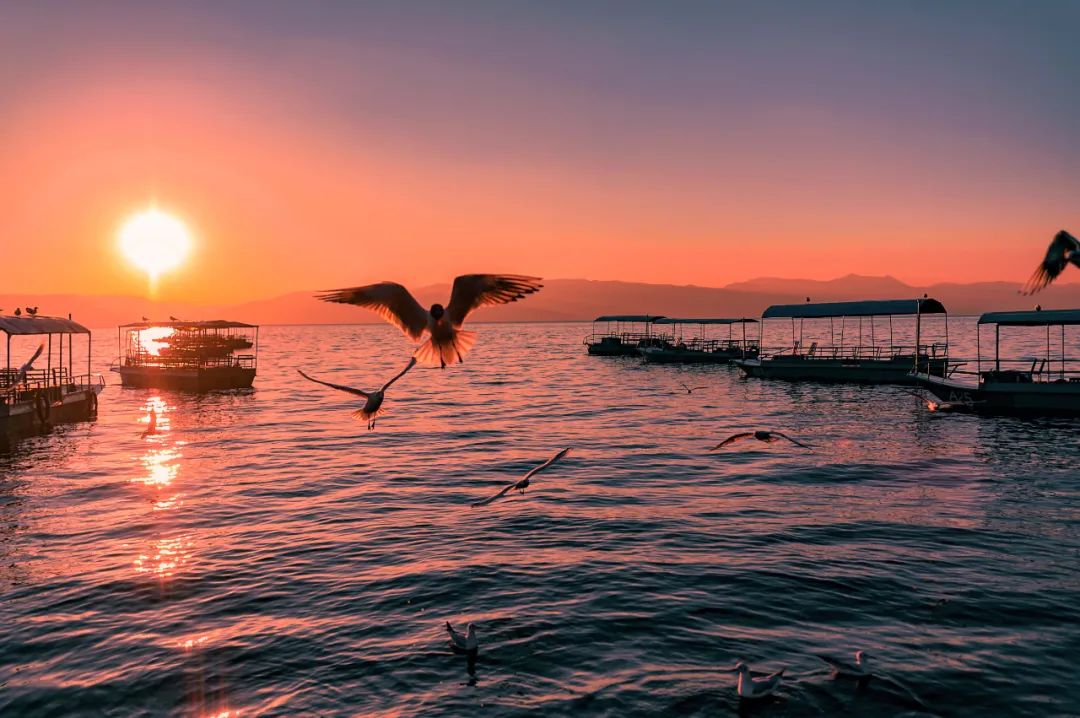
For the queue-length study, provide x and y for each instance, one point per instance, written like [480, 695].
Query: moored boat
[701, 348]
[623, 335]
[189, 356]
[50, 391]
[867, 362]
[1025, 385]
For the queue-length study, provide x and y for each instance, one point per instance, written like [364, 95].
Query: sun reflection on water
[169, 555]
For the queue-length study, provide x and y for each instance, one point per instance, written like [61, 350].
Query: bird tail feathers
[447, 351]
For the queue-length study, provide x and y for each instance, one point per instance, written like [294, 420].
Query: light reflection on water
[261, 551]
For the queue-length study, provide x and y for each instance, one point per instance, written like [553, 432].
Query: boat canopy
[871, 308]
[40, 325]
[628, 318]
[673, 320]
[209, 324]
[1032, 319]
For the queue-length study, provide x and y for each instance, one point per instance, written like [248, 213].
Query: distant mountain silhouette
[570, 300]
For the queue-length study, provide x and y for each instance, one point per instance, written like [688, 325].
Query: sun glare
[154, 241]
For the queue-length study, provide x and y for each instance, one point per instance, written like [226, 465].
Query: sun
[154, 241]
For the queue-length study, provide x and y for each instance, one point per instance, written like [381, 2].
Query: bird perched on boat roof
[1064, 249]
[373, 400]
[32, 311]
[766, 436]
[524, 482]
[18, 312]
[447, 342]
[750, 688]
[173, 319]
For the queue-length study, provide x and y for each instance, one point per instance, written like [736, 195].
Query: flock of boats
[1048, 384]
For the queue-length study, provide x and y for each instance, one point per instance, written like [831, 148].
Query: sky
[324, 144]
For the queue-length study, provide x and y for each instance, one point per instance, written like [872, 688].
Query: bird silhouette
[173, 319]
[1064, 250]
[373, 400]
[524, 482]
[32, 311]
[447, 342]
[18, 312]
[766, 436]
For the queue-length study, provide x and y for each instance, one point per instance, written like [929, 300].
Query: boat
[1047, 384]
[623, 334]
[701, 349]
[188, 356]
[51, 392]
[874, 362]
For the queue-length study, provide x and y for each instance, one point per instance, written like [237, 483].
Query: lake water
[264, 554]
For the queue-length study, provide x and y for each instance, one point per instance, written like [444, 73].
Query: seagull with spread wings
[691, 389]
[447, 342]
[1064, 249]
[766, 436]
[939, 406]
[522, 484]
[20, 375]
[373, 400]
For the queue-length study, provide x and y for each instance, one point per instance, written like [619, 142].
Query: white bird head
[470, 631]
[739, 667]
[437, 311]
[862, 657]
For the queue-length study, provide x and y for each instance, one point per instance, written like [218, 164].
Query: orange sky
[311, 152]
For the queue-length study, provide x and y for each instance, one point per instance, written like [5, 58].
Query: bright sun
[155, 241]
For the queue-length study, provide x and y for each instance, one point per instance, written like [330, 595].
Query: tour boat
[51, 392]
[623, 334]
[701, 349]
[190, 356]
[872, 362]
[1048, 384]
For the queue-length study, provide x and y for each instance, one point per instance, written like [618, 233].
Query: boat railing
[628, 338]
[1029, 370]
[50, 383]
[814, 351]
[697, 344]
[146, 359]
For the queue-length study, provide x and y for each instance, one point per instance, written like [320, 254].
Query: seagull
[1064, 249]
[524, 482]
[846, 669]
[151, 426]
[145, 319]
[935, 406]
[32, 311]
[750, 688]
[20, 375]
[173, 319]
[18, 312]
[463, 644]
[373, 399]
[767, 436]
[448, 342]
[692, 389]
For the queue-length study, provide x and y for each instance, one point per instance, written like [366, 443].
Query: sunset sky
[311, 145]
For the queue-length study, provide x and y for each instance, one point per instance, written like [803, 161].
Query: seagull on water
[524, 482]
[766, 436]
[847, 669]
[447, 342]
[1064, 249]
[691, 389]
[151, 425]
[463, 644]
[750, 688]
[373, 399]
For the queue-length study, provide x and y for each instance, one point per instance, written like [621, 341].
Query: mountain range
[569, 300]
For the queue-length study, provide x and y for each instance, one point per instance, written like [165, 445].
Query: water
[264, 554]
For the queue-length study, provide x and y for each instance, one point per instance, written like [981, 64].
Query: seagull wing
[339, 387]
[546, 464]
[1056, 260]
[456, 638]
[793, 441]
[472, 291]
[496, 497]
[732, 439]
[389, 300]
[30, 362]
[403, 372]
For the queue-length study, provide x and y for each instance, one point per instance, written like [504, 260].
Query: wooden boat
[700, 349]
[623, 335]
[1028, 385]
[873, 363]
[51, 392]
[188, 356]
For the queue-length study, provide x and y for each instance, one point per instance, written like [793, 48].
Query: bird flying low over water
[373, 400]
[938, 406]
[447, 342]
[467, 643]
[151, 424]
[20, 375]
[847, 669]
[749, 687]
[691, 389]
[766, 436]
[522, 484]
[1064, 249]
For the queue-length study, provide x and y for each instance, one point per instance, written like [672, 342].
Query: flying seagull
[524, 482]
[750, 688]
[151, 425]
[691, 389]
[447, 342]
[846, 669]
[767, 436]
[20, 375]
[1064, 249]
[463, 644]
[373, 399]
[938, 406]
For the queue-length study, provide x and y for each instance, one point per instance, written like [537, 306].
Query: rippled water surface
[264, 554]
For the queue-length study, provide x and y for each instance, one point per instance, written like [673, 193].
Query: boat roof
[12, 325]
[869, 308]
[627, 318]
[207, 324]
[694, 320]
[1036, 318]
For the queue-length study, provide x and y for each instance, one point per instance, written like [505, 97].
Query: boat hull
[30, 417]
[186, 378]
[895, 370]
[1042, 398]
